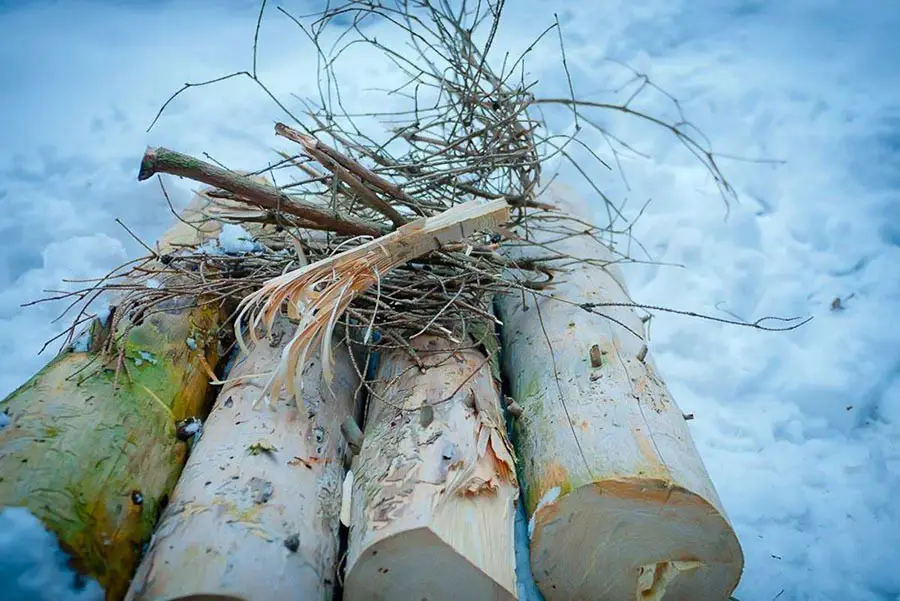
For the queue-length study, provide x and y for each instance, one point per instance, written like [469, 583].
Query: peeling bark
[620, 503]
[433, 504]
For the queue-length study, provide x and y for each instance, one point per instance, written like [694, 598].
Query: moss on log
[91, 446]
[96, 464]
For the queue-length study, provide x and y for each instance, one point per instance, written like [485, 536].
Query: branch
[317, 148]
[162, 160]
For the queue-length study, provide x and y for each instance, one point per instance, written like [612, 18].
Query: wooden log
[255, 514]
[620, 503]
[97, 463]
[432, 512]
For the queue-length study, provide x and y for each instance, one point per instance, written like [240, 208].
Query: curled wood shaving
[318, 294]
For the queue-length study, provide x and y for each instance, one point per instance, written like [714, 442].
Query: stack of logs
[618, 502]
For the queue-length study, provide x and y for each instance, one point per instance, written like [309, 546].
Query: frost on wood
[433, 501]
[620, 503]
[256, 512]
[91, 447]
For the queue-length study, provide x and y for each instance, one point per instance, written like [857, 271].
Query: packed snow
[33, 567]
[232, 240]
[798, 430]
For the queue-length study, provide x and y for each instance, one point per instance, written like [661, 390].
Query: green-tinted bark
[96, 463]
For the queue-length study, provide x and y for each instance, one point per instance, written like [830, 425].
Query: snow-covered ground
[799, 430]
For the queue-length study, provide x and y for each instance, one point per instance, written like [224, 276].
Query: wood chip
[596, 357]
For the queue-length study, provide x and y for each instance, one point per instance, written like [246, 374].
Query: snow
[798, 430]
[548, 498]
[101, 309]
[232, 240]
[82, 342]
[525, 585]
[192, 427]
[346, 497]
[33, 567]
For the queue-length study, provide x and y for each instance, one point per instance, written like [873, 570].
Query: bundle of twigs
[471, 135]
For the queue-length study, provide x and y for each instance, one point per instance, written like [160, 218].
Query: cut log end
[148, 165]
[659, 543]
[432, 512]
[419, 565]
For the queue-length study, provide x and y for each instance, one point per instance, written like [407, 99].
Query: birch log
[255, 515]
[620, 503]
[434, 486]
[97, 463]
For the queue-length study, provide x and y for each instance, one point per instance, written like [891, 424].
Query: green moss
[78, 446]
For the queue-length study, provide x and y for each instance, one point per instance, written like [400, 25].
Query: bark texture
[97, 463]
[620, 503]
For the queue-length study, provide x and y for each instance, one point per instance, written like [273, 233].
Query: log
[255, 514]
[96, 463]
[432, 509]
[620, 503]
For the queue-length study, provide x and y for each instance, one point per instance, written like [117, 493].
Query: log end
[636, 538]
[418, 564]
[148, 165]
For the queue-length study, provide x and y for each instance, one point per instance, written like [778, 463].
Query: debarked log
[434, 485]
[620, 503]
[255, 515]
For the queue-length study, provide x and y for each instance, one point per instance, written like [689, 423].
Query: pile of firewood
[417, 336]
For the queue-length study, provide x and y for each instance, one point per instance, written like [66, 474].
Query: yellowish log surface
[620, 504]
[434, 487]
[97, 463]
[255, 514]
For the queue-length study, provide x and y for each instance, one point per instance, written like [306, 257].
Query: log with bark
[434, 485]
[92, 448]
[255, 514]
[620, 503]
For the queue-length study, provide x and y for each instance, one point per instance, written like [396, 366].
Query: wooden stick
[364, 194]
[255, 514]
[96, 458]
[620, 503]
[433, 499]
[163, 160]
